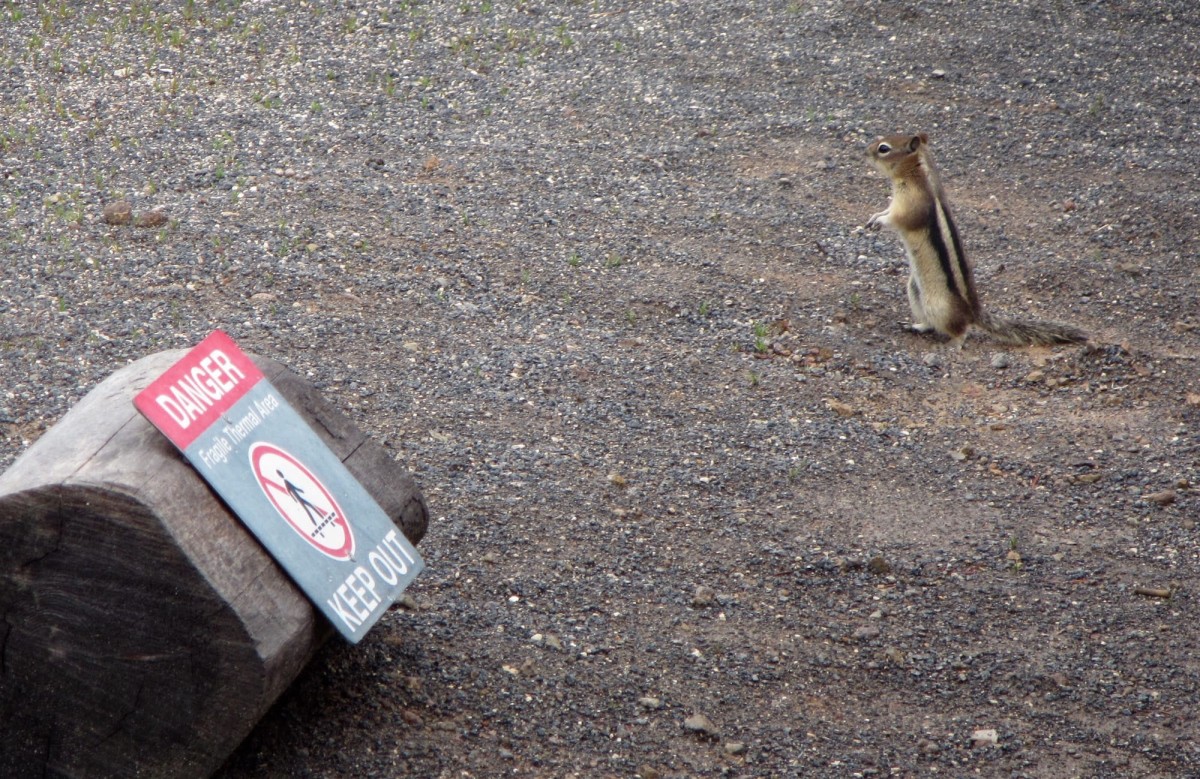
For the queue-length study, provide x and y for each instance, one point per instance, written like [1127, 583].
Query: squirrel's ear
[915, 142]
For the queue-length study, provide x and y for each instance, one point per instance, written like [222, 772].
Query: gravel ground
[596, 272]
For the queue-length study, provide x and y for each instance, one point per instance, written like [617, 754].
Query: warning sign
[302, 500]
[290, 489]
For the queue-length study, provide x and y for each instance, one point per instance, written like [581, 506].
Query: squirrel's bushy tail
[1029, 332]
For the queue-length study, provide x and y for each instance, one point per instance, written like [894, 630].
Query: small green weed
[761, 338]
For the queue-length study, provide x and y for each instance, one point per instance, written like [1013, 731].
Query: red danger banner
[198, 389]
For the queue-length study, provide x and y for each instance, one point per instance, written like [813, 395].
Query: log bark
[145, 630]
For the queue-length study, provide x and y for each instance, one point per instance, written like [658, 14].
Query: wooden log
[145, 631]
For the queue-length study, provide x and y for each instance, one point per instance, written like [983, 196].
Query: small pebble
[866, 633]
[986, 737]
[150, 219]
[878, 566]
[962, 453]
[840, 408]
[698, 723]
[1164, 498]
[703, 597]
[118, 213]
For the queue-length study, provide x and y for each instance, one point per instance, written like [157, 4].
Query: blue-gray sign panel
[307, 509]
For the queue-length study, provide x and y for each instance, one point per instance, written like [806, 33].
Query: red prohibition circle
[302, 500]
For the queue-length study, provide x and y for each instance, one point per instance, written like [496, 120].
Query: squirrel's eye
[884, 148]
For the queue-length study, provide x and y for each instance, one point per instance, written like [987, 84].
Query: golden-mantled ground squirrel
[941, 290]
